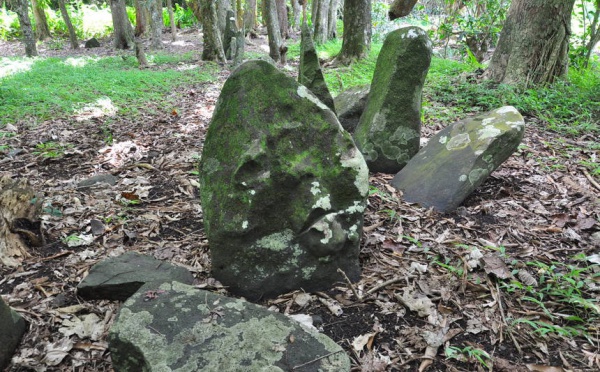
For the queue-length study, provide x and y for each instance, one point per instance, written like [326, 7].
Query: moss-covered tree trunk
[250, 15]
[213, 46]
[42, 31]
[534, 43]
[357, 31]
[123, 32]
[273, 29]
[21, 9]
[67, 19]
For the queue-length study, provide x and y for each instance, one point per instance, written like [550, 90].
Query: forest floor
[509, 281]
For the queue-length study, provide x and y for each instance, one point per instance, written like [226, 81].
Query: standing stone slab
[12, 328]
[117, 278]
[310, 74]
[283, 187]
[459, 158]
[350, 104]
[388, 133]
[176, 327]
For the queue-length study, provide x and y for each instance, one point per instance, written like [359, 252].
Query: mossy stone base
[459, 158]
[283, 187]
[176, 327]
[12, 328]
[389, 130]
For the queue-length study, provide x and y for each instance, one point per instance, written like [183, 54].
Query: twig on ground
[590, 178]
[315, 360]
[358, 297]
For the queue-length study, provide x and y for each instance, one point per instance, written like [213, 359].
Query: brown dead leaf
[493, 264]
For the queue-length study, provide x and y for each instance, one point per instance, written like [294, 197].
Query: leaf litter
[478, 280]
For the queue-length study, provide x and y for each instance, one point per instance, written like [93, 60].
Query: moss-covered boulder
[12, 328]
[389, 130]
[310, 74]
[176, 327]
[459, 158]
[283, 187]
[350, 104]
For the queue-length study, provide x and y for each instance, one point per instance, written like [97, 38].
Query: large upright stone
[176, 327]
[388, 133]
[283, 187]
[12, 328]
[310, 74]
[459, 158]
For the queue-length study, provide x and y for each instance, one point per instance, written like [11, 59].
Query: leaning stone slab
[310, 74]
[459, 158]
[117, 278]
[12, 328]
[176, 327]
[388, 133]
[350, 104]
[283, 188]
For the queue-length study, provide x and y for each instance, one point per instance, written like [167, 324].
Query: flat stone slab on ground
[459, 158]
[176, 327]
[117, 278]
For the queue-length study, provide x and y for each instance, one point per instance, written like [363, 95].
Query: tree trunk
[194, 5]
[156, 23]
[332, 19]
[239, 15]
[42, 31]
[250, 15]
[594, 35]
[222, 7]
[297, 14]
[67, 19]
[21, 9]
[320, 18]
[123, 32]
[275, 41]
[282, 17]
[142, 18]
[534, 43]
[357, 31]
[213, 47]
[172, 20]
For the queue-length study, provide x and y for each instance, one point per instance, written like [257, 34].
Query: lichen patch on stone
[458, 142]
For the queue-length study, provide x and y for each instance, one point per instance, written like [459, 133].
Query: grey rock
[92, 43]
[106, 178]
[596, 239]
[12, 328]
[117, 278]
[389, 130]
[283, 187]
[350, 104]
[176, 327]
[459, 158]
[310, 74]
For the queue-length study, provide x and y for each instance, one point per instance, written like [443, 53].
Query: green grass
[43, 88]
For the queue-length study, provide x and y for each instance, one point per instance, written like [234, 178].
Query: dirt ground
[423, 293]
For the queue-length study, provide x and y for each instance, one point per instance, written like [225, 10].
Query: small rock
[350, 104]
[117, 278]
[92, 43]
[106, 178]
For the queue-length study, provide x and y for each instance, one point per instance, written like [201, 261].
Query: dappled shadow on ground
[436, 289]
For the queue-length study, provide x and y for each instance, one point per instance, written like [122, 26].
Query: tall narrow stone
[388, 133]
[310, 74]
[282, 185]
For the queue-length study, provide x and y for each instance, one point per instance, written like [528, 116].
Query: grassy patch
[45, 88]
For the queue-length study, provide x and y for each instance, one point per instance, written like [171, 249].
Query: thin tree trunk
[320, 20]
[21, 8]
[222, 7]
[156, 23]
[534, 43]
[142, 18]
[42, 31]
[594, 36]
[172, 20]
[332, 19]
[250, 15]
[282, 17]
[194, 5]
[275, 41]
[67, 19]
[297, 14]
[123, 32]
[213, 47]
[357, 31]
[239, 16]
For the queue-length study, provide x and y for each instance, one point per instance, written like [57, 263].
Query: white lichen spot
[516, 124]
[478, 152]
[173, 319]
[458, 142]
[244, 183]
[462, 178]
[305, 93]
[443, 140]
[277, 241]
[323, 203]
[354, 159]
[487, 121]
[252, 192]
[315, 189]
[358, 207]
[489, 131]
[412, 33]
[506, 109]
[245, 225]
